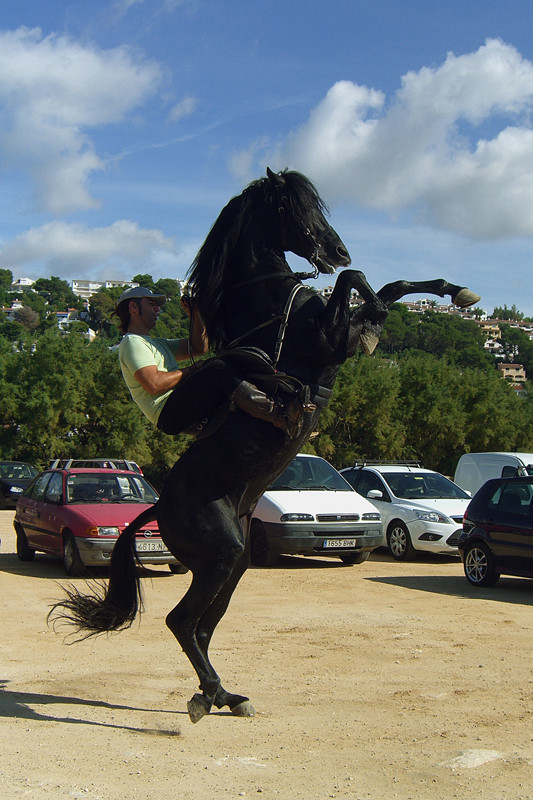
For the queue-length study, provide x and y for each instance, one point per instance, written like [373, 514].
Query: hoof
[465, 298]
[197, 708]
[369, 341]
[244, 709]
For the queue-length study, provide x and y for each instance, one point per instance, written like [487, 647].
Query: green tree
[517, 347]
[58, 293]
[6, 278]
[143, 279]
[507, 313]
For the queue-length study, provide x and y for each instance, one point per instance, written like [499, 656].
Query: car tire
[261, 553]
[178, 569]
[354, 558]
[24, 551]
[399, 542]
[479, 565]
[74, 566]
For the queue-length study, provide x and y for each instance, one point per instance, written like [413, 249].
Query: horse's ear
[275, 177]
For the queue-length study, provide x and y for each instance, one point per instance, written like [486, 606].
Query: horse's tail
[111, 608]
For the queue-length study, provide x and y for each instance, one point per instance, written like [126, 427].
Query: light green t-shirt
[137, 351]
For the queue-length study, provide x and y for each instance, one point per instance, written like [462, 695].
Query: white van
[311, 510]
[474, 469]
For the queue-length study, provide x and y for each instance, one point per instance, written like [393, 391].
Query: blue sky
[126, 126]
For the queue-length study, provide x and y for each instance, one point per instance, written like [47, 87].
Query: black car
[497, 535]
[14, 477]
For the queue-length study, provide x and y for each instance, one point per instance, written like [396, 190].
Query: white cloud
[183, 109]
[70, 250]
[52, 90]
[454, 145]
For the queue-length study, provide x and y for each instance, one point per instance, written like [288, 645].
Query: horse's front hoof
[465, 298]
[197, 708]
[244, 709]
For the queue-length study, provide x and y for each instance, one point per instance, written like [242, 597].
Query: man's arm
[199, 343]
[156, 382]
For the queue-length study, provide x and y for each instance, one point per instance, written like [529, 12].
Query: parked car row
[77, 510]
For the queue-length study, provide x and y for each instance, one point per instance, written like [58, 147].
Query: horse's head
[304, 228]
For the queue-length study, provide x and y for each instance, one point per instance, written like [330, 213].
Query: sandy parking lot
[377, 681]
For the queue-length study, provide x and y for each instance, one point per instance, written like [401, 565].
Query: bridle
[299, 276]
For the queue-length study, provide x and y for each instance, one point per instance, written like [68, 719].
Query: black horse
[249, 298]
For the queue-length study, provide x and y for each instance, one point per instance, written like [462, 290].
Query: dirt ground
[370, 682]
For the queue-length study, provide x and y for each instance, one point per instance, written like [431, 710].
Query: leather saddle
[257, 367]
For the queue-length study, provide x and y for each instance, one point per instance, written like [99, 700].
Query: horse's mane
[207, 272]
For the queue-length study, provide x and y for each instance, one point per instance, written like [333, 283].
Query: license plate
[150, 547]
[340, 543]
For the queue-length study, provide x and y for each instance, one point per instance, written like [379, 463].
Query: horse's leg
[346, 328]
[212, 577]
[183, 621]
[460, 295]
[238, 704]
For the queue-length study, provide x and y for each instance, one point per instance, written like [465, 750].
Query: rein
[284, 317]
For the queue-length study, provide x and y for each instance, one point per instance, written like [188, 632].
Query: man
[177, 398]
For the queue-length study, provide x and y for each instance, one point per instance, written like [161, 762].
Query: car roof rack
[111, 463]
[391, 463]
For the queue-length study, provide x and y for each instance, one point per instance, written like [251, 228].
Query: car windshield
[17, 471]
[310, 473]
[423, 485]
[97, 487]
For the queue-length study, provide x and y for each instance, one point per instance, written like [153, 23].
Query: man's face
[148, 311]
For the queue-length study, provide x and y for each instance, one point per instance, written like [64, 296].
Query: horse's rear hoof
[465, 298]
[244, 709]
[369, 342]
[197, 708]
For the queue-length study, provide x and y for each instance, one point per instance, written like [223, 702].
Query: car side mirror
[375, 494]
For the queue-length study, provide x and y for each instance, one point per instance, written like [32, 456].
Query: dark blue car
[14, 477]
[497, 537]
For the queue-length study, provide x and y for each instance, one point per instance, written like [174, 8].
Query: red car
[77, 515]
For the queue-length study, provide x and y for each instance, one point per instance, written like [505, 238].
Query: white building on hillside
[85, 289]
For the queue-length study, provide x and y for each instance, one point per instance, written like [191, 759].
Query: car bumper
[326, 540]
[97, 552]
[435, 538]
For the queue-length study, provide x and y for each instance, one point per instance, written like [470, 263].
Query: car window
[54, 489]
[431, 485]
[310, 473]
[370, 481]
[512, 498]
[103, 488]
[37, 488]
[17, 471]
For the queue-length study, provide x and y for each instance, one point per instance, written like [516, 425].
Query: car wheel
[178, 569]
[72, 562]
[24, 551]
[399, 542]
[354, 558]
[261, 553]
[479, 565]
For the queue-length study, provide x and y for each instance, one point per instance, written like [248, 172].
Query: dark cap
[140, 291]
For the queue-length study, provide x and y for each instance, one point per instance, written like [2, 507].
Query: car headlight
[297, 518]
[432, 516]
[372, 516]
[16, 490]
[102, 530]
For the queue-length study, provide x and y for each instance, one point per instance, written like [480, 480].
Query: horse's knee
[176, 622]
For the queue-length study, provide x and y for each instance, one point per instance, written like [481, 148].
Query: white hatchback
[311, 510]
[421, 509]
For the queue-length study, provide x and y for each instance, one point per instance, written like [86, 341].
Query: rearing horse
[249, 298]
